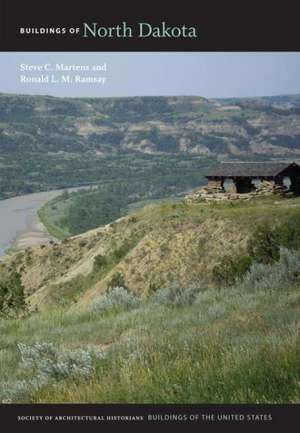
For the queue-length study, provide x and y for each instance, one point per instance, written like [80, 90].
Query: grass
[238, 344]
[227, 346]
[49, 215]
[153, 246]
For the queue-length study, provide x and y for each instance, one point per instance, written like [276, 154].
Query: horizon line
[151, 96]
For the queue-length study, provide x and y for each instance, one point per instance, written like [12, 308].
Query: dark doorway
[243, 185]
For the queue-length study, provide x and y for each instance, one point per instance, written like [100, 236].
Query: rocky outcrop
[215, 192]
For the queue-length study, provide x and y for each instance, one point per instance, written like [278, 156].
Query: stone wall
[207, 194]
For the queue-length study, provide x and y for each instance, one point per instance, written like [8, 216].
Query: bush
[288, 234]
[99, 262]
[266, 241]
[230, 269]
[121, 252]
[46, 360]
[176, 296]
[12, 298]
[271, 276]
[48, 365]
[115, 299]
[117, 280]
[264, 247]
[14, 391]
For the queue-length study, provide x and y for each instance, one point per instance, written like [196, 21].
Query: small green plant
[117, 280]
[121, 252]
[99, 262]
[132, 220]
[115, 299]
[12, 298]
[230, 269]
[82, 243]
[175, 295]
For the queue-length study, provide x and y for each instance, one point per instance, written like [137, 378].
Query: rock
[215, 192]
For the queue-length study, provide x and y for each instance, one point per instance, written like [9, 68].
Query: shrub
[99, 262]
[175, 295]
[46, 360]
[121, 252]
[231, 269]
[14, 391]
[271, 276]
[115, 299]
[266, 241]
[288, 234]
[117, 280]
[48, 365]
[12, 298]
[132, 219]
[263, 247]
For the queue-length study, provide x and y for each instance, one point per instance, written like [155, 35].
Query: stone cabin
[242, 176]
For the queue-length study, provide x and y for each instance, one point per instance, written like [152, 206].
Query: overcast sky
[129, 74]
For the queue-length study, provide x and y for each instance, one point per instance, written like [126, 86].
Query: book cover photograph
[149, 221]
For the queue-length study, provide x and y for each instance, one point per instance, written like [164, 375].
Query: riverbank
[20, 226]
[34, 234]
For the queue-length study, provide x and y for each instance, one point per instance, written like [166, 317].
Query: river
[20, 226]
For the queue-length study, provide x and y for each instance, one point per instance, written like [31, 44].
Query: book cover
[149, 217]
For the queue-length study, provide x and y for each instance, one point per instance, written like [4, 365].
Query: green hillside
[174, 303]
[156, 246]
[235, 345]
[49, 143]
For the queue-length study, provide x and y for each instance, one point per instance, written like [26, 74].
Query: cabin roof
[249, 169]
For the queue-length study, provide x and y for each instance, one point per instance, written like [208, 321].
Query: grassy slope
[53, 229]
[229, 346]
[150, 248]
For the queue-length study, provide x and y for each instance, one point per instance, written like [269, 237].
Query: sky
[211, 75]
